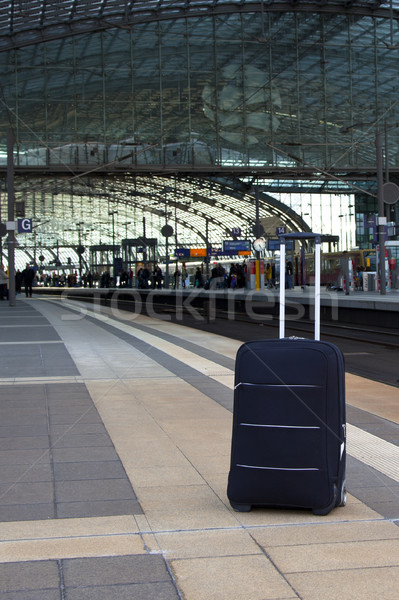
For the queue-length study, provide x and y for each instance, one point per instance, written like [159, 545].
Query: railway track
[369, 352]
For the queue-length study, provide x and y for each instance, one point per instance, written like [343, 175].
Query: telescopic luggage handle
[300, 236]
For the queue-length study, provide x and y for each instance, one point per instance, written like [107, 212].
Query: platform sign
[236, 231]
[25, 225]
[198, 252]
[274, 245]
[236, 246]
[182, 253]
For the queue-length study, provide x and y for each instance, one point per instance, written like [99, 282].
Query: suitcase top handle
[300, 236]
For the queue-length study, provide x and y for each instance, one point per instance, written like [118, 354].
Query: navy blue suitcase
[288, 443]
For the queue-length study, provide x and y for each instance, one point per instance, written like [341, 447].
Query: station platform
[115, 438]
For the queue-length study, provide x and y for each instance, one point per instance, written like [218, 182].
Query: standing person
[3, 283]
[18, 282]
[28, 275]
[240, 276]
[269, 275]
[232, 277]
[288, 274]
[176, 278]
[184, 278]
[145, 277]
[198, 279]
[158, 277]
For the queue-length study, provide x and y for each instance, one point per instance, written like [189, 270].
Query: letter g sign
[25, 226]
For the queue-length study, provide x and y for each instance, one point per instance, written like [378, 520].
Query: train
[332, 266]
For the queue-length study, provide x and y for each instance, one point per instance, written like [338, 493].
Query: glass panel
[279, 89]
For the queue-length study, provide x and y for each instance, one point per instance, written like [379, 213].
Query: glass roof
[67, 208]
[24, 22]
[142, 205]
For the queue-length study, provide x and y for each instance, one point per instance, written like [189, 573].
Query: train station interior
[171, 132]
[204, 117]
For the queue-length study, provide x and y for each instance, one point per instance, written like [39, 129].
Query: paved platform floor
[115, 437]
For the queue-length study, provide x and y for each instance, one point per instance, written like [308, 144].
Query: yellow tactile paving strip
[174, 443]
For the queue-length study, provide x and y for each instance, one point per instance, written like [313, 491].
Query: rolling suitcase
[288, 442]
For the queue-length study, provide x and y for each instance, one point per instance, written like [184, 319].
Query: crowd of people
[146, 277]
[23, 279]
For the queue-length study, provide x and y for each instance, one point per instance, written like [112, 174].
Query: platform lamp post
[207, 256]
[80, 248]
[11, 223]
[112, 214]
[125, 254]
[167, 231]
[387, 193]
[381, 213]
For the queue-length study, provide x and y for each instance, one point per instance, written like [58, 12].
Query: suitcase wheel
[241, 507]
[343, 495]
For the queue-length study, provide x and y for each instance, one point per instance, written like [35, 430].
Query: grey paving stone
[374, 424]
[72, 407]
[57, 355]
[375, 489]
[33, 595]
[90, 416]
[27, 512]
[90, 478]
[24, 457]
[360, 475]
[29, 352]
[24, 408]
[88, 470]
[37, 359]
[149, 591]
[32, 575]
[26, 493]
[79, 441]
[23, 443]
[389, 510]
[55, 389]
[98, 509]
[95, 453]
[21, 417]
[386, 431]
[24, 430]
[111, 570]
[380, 493]
[78, 429]
[22, 473]
[11, 398]
[93, 489]
[76, 399]
[20, 319]
[71, 389]
[39, 333]
[28, 393]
